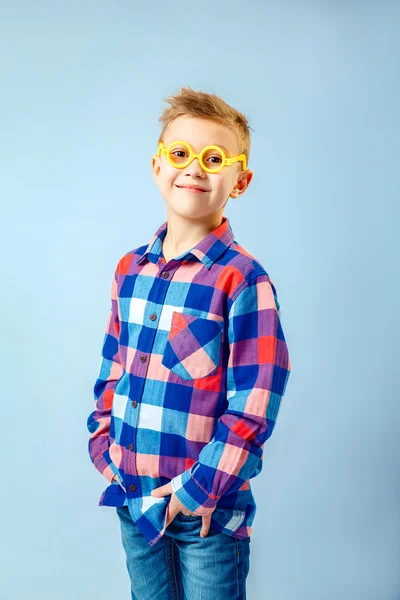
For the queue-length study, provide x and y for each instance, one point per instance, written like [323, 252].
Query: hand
[118, 481]
[174, 506]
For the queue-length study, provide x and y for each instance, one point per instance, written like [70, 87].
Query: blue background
[82, 87]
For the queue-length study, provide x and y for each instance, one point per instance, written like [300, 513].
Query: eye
[179, 155]
[217, 158]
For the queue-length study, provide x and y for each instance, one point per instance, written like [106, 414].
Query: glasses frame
[226, 161]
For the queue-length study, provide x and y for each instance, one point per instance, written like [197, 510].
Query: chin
[189, 213]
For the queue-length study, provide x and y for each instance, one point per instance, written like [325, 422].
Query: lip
[192, 188]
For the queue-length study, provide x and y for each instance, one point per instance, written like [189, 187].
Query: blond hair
[188, 102]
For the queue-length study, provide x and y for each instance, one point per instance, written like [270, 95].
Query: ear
[155, 166]
[242, 183]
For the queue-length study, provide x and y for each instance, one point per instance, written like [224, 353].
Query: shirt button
[134, 404]
[143, 358]
[132, 487]
[153, 317]
[165, 274]
[130, 446]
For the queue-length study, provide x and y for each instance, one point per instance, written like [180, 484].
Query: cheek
[168, 176]
[222, 185]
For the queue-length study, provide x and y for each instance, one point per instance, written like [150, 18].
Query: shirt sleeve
[257, 373]
[111, 370]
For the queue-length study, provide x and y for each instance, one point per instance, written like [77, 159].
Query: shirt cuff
[192, 495]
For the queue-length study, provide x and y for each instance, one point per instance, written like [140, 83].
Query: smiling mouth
[191, 188]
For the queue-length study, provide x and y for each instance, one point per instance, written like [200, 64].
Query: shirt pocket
[193, 348]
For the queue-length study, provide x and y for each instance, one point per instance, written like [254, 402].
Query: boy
[194, 365]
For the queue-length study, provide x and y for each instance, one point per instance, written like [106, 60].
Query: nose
[195, 169]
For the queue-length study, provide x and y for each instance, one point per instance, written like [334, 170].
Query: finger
[167, 519]
[173, 507]
[171, 514]
[163, 490]
[205, 525]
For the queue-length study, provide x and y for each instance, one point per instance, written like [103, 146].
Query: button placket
[143, 358]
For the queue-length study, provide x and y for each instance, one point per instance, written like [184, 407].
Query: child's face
[231, 181]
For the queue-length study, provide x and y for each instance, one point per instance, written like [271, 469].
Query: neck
[183, 234]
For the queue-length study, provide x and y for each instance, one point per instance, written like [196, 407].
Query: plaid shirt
[193, 368]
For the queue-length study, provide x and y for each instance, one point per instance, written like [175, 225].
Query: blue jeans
[182, 565]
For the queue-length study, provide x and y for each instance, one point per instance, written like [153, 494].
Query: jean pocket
[184, 517]
[193, 348]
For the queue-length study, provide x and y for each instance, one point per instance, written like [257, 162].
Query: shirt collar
[208, 250]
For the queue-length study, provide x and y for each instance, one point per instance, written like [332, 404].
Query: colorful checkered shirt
[193, 368]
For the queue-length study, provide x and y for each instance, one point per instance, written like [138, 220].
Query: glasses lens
[213, 158]
[179, 154]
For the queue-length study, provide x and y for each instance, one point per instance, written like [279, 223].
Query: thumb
[163, 490]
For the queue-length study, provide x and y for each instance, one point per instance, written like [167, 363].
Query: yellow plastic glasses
[212, 158]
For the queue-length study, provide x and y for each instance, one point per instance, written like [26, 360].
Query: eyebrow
[224, 148]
